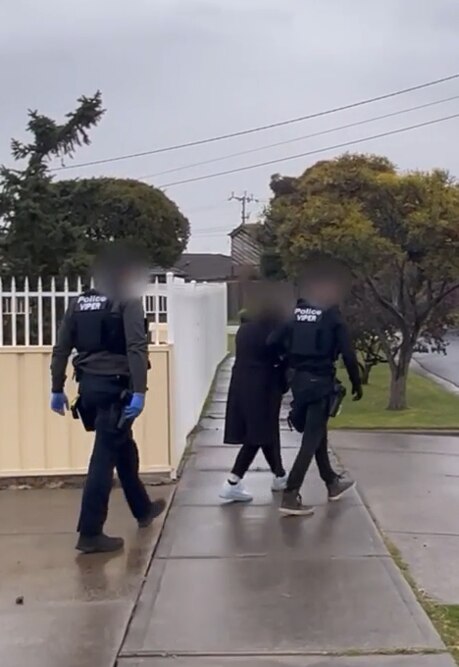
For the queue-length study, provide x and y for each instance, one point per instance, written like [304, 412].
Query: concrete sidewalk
[411, 485]
[239, 586]
[58, 609]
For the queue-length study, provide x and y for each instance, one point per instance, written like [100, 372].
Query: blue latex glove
[135, 407]
[59, 403]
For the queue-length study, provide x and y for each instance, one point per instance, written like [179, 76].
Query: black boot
[99, 544]
[156, 508]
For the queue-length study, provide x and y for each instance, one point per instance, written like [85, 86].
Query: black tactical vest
[313, 333]
[97, 324]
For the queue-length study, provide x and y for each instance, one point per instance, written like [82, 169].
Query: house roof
[245, 245]
[249, 228]
[205, 266]
[161, 271]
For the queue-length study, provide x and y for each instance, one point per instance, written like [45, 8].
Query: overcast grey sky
[172, 71]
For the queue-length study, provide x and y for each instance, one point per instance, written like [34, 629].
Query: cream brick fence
[187, 323]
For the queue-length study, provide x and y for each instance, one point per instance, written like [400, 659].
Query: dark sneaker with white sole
[292, 505]
[99, 544]
[339, 487]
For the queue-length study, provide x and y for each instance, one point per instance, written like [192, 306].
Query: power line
[205, 235]
[208, 207]
[211, 207]
[211, 231]
[262, 128]
[300, 138]
[313, 152]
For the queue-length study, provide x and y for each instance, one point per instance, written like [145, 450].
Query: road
[445, 366]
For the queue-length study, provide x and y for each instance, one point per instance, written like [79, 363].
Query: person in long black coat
[257, 384]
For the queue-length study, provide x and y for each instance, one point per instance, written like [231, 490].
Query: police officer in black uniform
[313, 340]
[106, 327]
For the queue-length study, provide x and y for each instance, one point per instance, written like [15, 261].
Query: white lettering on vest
[307, 314]
[91, 302]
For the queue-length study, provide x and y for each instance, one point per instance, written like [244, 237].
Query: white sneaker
[235, 493]
[279, 483]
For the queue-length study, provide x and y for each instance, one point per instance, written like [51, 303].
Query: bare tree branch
[385, 303]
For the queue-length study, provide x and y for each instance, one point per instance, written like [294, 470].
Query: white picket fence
[189, 318]
[30, 313]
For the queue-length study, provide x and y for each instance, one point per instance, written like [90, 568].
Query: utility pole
[244, 199]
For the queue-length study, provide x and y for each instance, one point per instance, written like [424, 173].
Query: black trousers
[247, 453]
[326, 472]
[113, 448]
[313, 443]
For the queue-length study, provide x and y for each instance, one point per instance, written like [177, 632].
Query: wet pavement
[284, 661]
[57, 608]
[411, 484]
[239, 586]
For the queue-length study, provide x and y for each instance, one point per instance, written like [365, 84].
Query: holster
[78, 412]
[296, 420]
[308, 389]
[336, 399]
[125, 397]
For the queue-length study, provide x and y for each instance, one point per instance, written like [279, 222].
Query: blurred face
[326, 293]
[123, 282]
[325, 282]
[270, 313]
[134, 282]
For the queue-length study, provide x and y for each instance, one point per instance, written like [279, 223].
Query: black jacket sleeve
[279, 340]
[61, 353]
[347, 351]
[136, 344]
